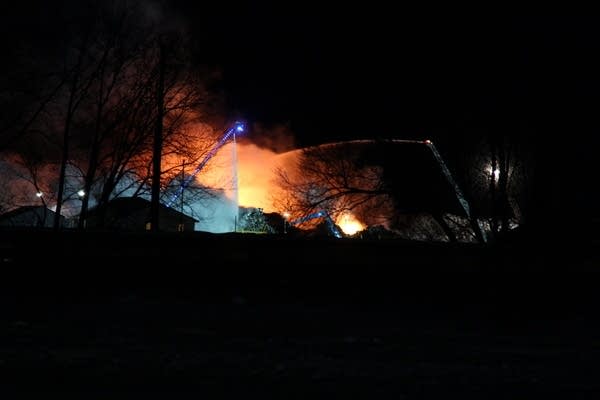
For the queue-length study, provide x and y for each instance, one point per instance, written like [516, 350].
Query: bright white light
[240, 128]
[39, 194]
[495, 173]
[81, 193]
[286, 215]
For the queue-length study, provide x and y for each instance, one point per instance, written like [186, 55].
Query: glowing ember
[349, 224]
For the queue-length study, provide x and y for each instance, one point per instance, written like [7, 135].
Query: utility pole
[182, 189]
[157, 148]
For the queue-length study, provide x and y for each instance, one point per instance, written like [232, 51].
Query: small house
[133, 214]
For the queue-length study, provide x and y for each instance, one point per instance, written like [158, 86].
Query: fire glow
[256, 178]
[349, 224]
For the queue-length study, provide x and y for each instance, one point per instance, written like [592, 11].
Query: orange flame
[256, 178]
[349, 223]
[256, 174]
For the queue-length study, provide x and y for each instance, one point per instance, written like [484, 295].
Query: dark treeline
[509, 102]
[80, 103]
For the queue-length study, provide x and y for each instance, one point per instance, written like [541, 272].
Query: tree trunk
[157, 149]
[504, 205]
[63, 162]
[493, 187]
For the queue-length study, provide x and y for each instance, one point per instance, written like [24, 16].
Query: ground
[409, 329]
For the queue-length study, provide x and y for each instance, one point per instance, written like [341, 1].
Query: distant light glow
[81, 193]
[286, 215]
[427, 141]
[240, 128]
[495, 173]
[39, 194]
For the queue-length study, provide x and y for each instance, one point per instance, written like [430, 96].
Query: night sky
[332, 77]
[376, 73]
[332, 74]
[370, 72]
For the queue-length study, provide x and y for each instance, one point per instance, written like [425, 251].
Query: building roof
[124, 206]
[24, 209]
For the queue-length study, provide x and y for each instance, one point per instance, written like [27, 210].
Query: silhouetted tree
[331, 178]
[496, 174]
[361, 177]
[126, 113]
[94, 107]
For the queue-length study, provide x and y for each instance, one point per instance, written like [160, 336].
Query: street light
[81, 193]
[39, 194]
[495, 173]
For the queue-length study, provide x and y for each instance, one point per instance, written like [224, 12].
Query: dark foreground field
[271, 317]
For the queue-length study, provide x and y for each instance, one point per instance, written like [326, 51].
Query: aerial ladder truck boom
[320, 214]
[237, 127]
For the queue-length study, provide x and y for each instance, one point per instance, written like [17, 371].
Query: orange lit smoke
[256, 174]
[256, 178]
[256, 181]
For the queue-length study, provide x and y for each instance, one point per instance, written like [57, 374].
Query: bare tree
[27, 180]
[27, 86]
[97, 114]
[79, 77]
[332, 178]
[496, 176]
[380, 182]
[110, 109]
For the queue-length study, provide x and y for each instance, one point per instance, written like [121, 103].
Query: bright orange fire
[256, 175]
[256, 178]
[349, 224]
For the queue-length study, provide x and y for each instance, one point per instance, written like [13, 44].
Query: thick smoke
[217, 214]
[277, 138]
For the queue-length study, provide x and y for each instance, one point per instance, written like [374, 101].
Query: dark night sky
[359, 76]
[379, 74]
[376, 72]
[349, 73]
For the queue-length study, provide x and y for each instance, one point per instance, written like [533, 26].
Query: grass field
[236, 315]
